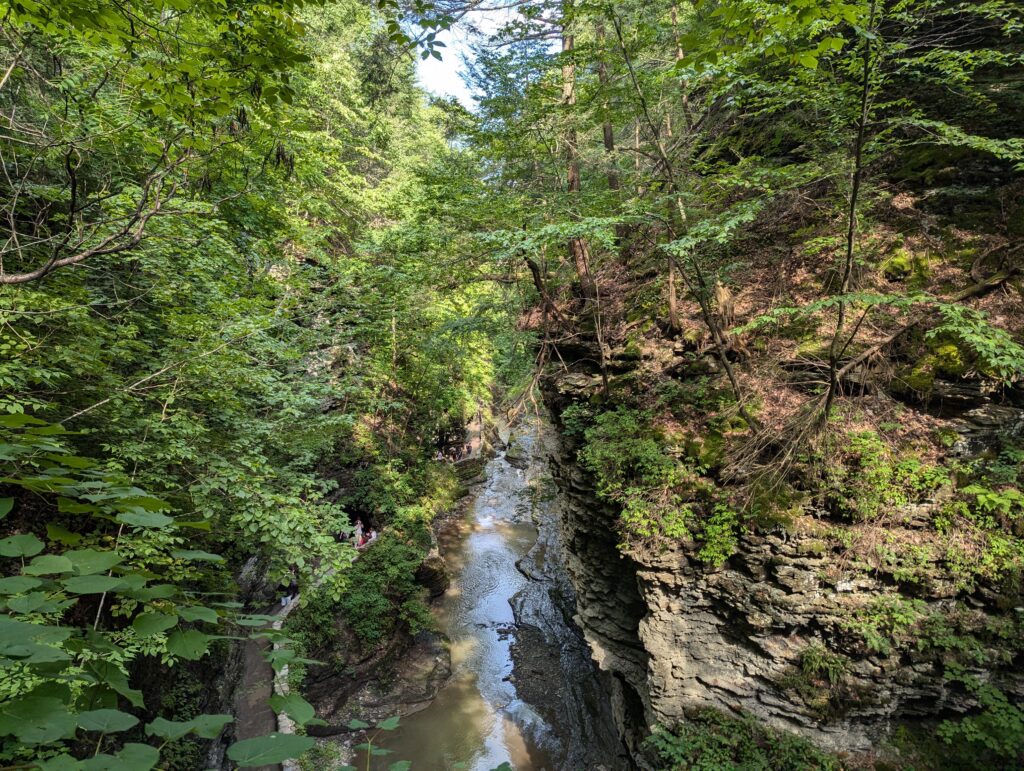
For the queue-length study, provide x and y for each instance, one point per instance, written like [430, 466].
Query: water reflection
[477, 721]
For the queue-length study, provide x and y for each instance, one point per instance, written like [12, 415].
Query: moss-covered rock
[948, 361]
[904, 264]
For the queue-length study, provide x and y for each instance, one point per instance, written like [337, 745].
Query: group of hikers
[361, 535]
[455, 452]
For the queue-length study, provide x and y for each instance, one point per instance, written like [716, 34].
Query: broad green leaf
[91, 584]
[148, 593]
[255, 620]
[273, 748]
[388, 724]
[62, 536]
[200, 556]
[20, 546]
[297, 708]
[199, 613]
[149, 624]
[68, 506]
[169, 729]
[29, 603]
[89, 561]
[20, 420]
[132, 757]
[106, 720]
[108, 673]
[206, 726]
[188, 644]
[210, 726]
[18, 584]
[60, 763]
[6, 504]
[36, 719]
[144, 518]
[357, 725]
[46, 564]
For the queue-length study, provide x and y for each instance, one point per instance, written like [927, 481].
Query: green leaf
[62, 536]
[255, 619]
[36, 720]
[21, 546]
[808, 60]
[108, 673]
[199, 613]
[133, 757]
[205, 726]
[6, 504]
[401, 765]
[210, 726]
[144, 519]
[60, 763]
[47, 564]
[357, 725]
[92, 584]
[188, 644]
[158, 592]
[149, 624]
[388, 724]
[89, 561]
[106, 720]
[18, 584]
[201, 556]
[297, 708]
[20, 420]
[29, 603]
[171, 730]
[273, 748]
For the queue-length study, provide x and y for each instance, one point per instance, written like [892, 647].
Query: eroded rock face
[676, 635]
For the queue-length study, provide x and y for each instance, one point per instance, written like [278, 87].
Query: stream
[523, 689]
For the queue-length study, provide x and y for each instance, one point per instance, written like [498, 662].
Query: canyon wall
[675, 635]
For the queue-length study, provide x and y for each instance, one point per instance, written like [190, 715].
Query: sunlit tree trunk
[579, 252]
[608, 136]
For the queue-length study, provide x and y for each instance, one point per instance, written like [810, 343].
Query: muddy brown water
[479, 720]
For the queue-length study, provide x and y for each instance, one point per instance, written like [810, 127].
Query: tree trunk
[579, 252]
[835, 349]
[622, 230]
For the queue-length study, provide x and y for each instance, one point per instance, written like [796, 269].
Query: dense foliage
[229, 326]
[762, 256]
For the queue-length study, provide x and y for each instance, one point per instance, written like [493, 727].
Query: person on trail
[439, 456]
[357, 534]
[293, 588]
[372, 537]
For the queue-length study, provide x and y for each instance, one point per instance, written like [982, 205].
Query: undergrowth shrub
[864, 478]
[627, 457]
[993, 738]
[711, 741]
[382, 595]
[659, 487]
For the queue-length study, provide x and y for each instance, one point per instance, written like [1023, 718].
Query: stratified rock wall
[676, 635]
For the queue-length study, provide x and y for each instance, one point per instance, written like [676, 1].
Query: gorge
[659, 406]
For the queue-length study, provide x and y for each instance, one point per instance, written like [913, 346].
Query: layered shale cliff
[789, 629]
